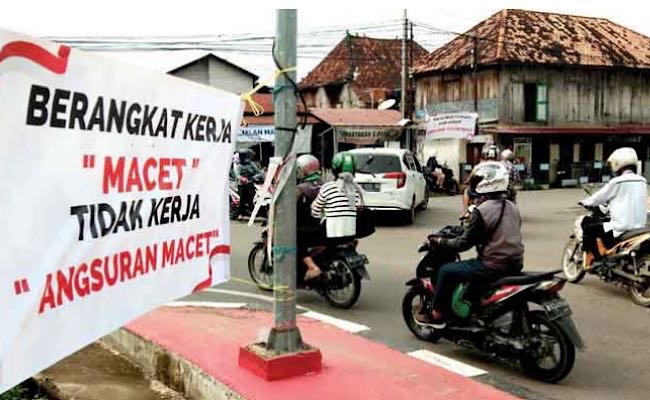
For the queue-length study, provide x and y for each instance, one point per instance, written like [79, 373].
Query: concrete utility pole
[285, 336]
[403, 107]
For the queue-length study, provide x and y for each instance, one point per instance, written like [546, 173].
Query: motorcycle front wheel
[259, 269]
[412, 304]
[552, 355]
[571, 262]
[342, 286]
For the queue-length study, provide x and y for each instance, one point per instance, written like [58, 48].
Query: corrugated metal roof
[376, 63]
[531, 37]
[357, 116]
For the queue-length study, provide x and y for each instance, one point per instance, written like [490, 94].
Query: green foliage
[20, 393]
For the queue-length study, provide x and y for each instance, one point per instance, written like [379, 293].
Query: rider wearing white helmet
[626, 194]
[494, 228]
[507, 158]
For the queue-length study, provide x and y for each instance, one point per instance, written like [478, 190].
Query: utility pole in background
[285, 336]
[474, 69]
[402, 103]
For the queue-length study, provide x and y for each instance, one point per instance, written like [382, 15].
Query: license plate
[557, 309]
[371, 187]
[357, 260]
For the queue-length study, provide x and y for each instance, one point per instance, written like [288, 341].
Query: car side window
[418, 167]
[408, 160]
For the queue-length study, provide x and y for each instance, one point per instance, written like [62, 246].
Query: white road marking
[447, 363]
[206, 304]
[339, 323]
[348, 326]
[241, 294]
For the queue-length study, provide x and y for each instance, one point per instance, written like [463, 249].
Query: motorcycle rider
[626, 194]
[436, 171]
[247, 170]
[494, 228]
[507, 157]
[337, 201]
[309, 230]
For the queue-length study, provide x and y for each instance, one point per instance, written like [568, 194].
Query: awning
[570, 130]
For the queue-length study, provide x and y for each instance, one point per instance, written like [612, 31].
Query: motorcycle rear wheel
[554, 335]
[411, 305]
[259, 269]
[346, 296]
[640, 292]
[573, 270]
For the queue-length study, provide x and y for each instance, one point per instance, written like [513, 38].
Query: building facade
[562, 91]
[216, 72]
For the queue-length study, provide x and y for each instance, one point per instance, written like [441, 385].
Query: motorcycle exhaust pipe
[629, 276]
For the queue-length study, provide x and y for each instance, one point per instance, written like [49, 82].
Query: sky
[320, 26]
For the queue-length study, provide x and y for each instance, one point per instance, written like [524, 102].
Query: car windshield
[377, 163]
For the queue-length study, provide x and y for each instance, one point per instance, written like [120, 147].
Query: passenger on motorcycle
[247, 170]
[309, 230]
[626, 195]
[337, 201]
[489, 152]
[514, 179]
[494, 228]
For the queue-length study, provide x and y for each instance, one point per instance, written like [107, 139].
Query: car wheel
[410, 214]
[425, 203]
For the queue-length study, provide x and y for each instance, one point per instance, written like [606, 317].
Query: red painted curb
[353, 367]
[280, 367]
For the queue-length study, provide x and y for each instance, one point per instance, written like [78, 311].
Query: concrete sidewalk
[197, 349]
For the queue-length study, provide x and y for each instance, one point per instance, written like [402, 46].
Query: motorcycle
[235, 198]
[340, 283]
[449, 185]
[627, 263]
[520, 319]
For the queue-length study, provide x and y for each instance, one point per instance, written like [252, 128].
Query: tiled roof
[357, 116]
[530, 37]
[377, 64]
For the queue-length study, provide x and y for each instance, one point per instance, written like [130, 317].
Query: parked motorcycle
[449, 185]
[518, 318]
[340, 283]
[627, 263]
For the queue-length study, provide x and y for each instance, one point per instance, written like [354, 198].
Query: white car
[392, 179]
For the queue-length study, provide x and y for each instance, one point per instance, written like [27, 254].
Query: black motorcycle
[518, 318]
[251, 187]
[340, 283]
[449, 185]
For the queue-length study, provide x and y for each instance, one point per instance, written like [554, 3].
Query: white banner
[114, 197]
[451, 126]
[256, 133]
[253, 134]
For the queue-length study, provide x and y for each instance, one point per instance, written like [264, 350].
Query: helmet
[343, 162]
[489, 177]
[307, 168]
[621, 158]
[490, 152]
[246, 156]
[507, 155]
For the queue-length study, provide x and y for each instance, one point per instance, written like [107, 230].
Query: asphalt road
[617, 332]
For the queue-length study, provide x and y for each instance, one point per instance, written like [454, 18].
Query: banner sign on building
[113, 201]
[451, 126]
[367, 136]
